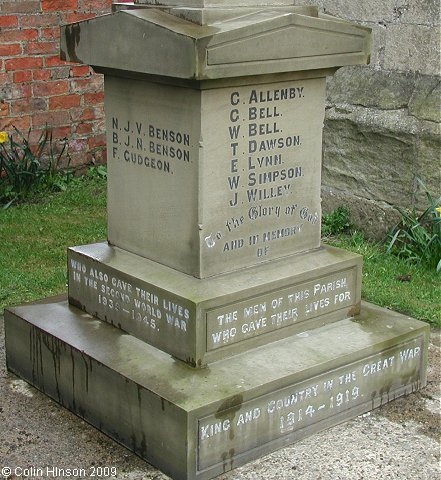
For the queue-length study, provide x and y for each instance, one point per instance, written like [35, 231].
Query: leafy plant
[26, 168]
[97, 172]
[338, 221]
[417, 237]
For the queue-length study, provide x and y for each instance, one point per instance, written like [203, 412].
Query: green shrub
[417, 237]
[97, 172]
[26, 169]
[336, 222]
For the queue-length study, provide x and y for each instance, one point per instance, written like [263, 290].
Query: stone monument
[213, 327]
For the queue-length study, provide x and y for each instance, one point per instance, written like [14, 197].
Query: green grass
[419, 295]
[34, 238]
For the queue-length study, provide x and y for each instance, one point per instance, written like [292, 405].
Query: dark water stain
[72, 359]
[73, 36]
[36, 355]
[228, 409]
[54, 346]
[143, 446]
[385, 390]
[373, 396]
[228, 457]
[234, 403]
[87, 367]
[354, 310]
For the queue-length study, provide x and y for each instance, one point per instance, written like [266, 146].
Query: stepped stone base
[198, 423]
[203, 320]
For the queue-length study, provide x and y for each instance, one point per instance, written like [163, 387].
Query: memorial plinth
[199, 321]
[198, 423]
[214, 179]
[213, 326]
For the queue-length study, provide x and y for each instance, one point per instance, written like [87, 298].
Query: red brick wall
[36, 88]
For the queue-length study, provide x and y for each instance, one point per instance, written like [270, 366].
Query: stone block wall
[382, 128]
[37, 89]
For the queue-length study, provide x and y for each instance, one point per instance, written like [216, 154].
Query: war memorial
[213, 326]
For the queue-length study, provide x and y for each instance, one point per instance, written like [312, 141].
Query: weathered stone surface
[409, 133]
[372, 11]
[199, 321]
[418, 12]
[429, 167]
[371, 88]
[215, 14]
[423, 12]
[368, 162]
[374, 219]
[174, 47]
[412, 48]
[379, 31]
[195, 424]
[232, 180]
[390, 109]
[425, 102]
[375, 153]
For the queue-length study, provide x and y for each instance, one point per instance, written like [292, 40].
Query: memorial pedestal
[198, 423]
[202, 320]
[213, 327]
[214, 178]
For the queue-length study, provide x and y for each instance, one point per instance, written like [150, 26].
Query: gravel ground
[398, 441]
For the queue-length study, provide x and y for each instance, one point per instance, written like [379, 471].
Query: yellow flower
[4, 137]
[438, 210]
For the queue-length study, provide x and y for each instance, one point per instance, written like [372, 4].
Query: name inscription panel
[153, 134]
[210, 181]
[261, 169]
[359, 386]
